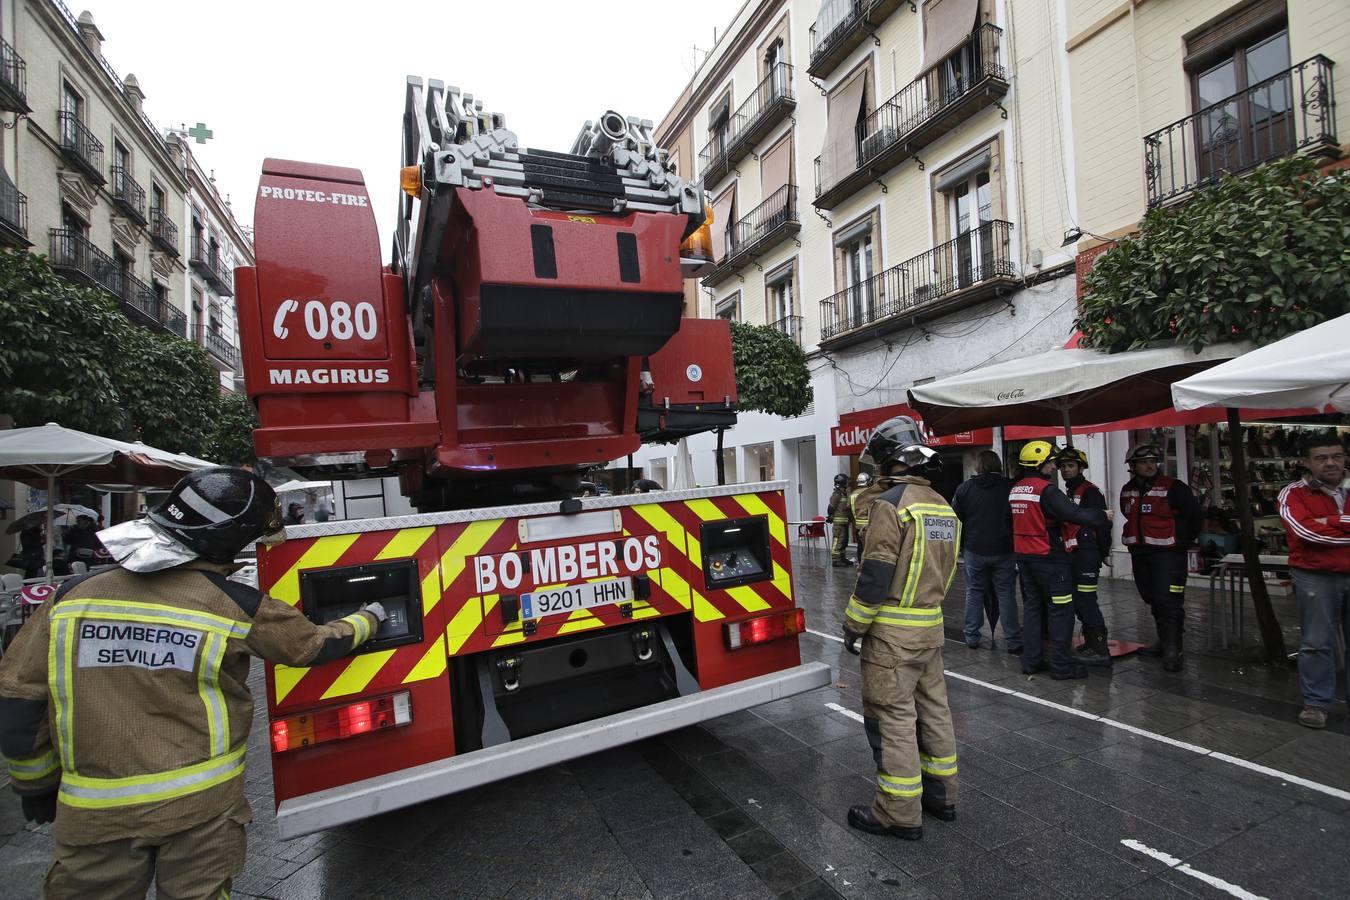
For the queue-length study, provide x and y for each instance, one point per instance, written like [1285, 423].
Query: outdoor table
[1226, 592]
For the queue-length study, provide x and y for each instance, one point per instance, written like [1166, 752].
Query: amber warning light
[338, 723]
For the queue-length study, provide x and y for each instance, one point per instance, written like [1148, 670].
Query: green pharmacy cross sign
[201, 132]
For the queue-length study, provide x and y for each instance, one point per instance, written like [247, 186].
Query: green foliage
[771, 371]
[57, 351]
[232, 442]
[169, 390]
[1255, 257]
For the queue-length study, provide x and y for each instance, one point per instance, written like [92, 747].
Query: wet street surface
[1133, 783]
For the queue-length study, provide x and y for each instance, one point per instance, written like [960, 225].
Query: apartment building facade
[891, 186]
[88, 179]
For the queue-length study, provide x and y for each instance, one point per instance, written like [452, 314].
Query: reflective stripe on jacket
[128, 694]
[913, 539]
[1149, 518]
[859, 506]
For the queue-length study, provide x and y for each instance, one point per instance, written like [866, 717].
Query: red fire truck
[528, 328]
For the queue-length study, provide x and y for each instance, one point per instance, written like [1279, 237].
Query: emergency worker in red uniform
[124, 703]
[1162, 521]
[1039, 513]
[1086, 548]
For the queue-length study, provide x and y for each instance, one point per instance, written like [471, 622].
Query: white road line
[1212, 880]
[856, 716]
[1150, 735]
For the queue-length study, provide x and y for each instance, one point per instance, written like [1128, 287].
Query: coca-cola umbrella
[1063, 387]
[42, 455]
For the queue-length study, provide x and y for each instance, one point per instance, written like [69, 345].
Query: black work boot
[944, 811]
[1172, 646]
[1095, 651]
[1075, 672]
[861, 818]
[1155, 650]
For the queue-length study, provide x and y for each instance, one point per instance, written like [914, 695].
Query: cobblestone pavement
[752, 805]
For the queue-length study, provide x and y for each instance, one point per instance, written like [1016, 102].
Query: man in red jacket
[1316, 514]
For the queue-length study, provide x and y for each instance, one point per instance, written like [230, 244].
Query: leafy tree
[59, 348]
[771, 371]
[1255, 257]
[232, 441]
[170, 390]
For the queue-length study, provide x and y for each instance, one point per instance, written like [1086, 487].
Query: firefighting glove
[376, 610]
[40, 809]
[851, 642]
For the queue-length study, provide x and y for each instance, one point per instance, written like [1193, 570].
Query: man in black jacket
[981, 503]
[1086, 548]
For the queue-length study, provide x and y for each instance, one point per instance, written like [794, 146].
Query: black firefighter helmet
[219, 511]
[841, 481]
[899, 440]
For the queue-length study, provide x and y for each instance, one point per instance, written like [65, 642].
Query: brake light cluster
[762, 629]
[338, 723]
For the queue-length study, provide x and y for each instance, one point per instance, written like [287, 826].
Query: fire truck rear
[527, 329]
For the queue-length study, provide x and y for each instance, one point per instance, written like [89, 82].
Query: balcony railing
[13, 213]
[219, 347]
[768, 103]
[138, 296]
[1287, 113]
[80, 147]
[13, 80]
[841, 26]
[206, 260]
[128, 194]
[970, 79]
[75, 256]
[164, 232]
[977, 259]
[790, 326]
[772, 221]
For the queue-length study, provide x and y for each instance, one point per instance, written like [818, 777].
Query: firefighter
[1039, 513]
[841, 518]
[1162, 521]
[895, 612]
[858, 502]
[1086, 548]
[124, 707]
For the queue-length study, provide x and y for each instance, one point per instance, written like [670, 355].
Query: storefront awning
[851, 434]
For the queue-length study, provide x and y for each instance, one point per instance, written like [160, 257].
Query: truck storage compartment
[327, 595]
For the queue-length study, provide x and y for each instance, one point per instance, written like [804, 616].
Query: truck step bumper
[362, 799]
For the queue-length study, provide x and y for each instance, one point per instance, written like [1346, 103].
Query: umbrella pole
[1068, 427]
[51, 502]
[1271, 635]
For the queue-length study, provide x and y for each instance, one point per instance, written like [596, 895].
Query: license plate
[573, 597]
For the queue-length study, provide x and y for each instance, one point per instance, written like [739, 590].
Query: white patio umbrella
[1310, 368]
[1062, 387]
[295, 485]
[682, 474]
[44, 454]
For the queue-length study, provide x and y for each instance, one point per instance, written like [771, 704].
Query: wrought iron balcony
[75, 257]
[841, 26]
[128, 195]
[206, 260]
[790, 326]
[164, 232]
[138, 298]
[971, 79]
[1291, 112]
[765, 227]
[13, 214]
[13, 80]
[80, 147]
[177, 324]
[973, 266]
[219, 347]
[768, 103]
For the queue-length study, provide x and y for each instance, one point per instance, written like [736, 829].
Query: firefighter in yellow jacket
[859, 502]
[895, 612]
[124, 708]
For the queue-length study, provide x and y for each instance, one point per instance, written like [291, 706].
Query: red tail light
[340, 722]
[762, 629]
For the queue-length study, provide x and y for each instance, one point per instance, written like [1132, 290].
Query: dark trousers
[1160, 577]
[1086, 563]
[1047, 591]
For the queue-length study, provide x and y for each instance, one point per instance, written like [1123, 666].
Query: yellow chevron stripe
[580, 620]
[431, 589]
[431, 665]
[406, 543]
[286, 678]
[747, 598]
[470, 541]
[466, 621]
[511, 637]
[358, 674]
[677, 590]
[757, 507]
[322, 553]
[782, 581]
[705, 510]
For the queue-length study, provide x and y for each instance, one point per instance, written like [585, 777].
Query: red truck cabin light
[337, 723]
[762, 629]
